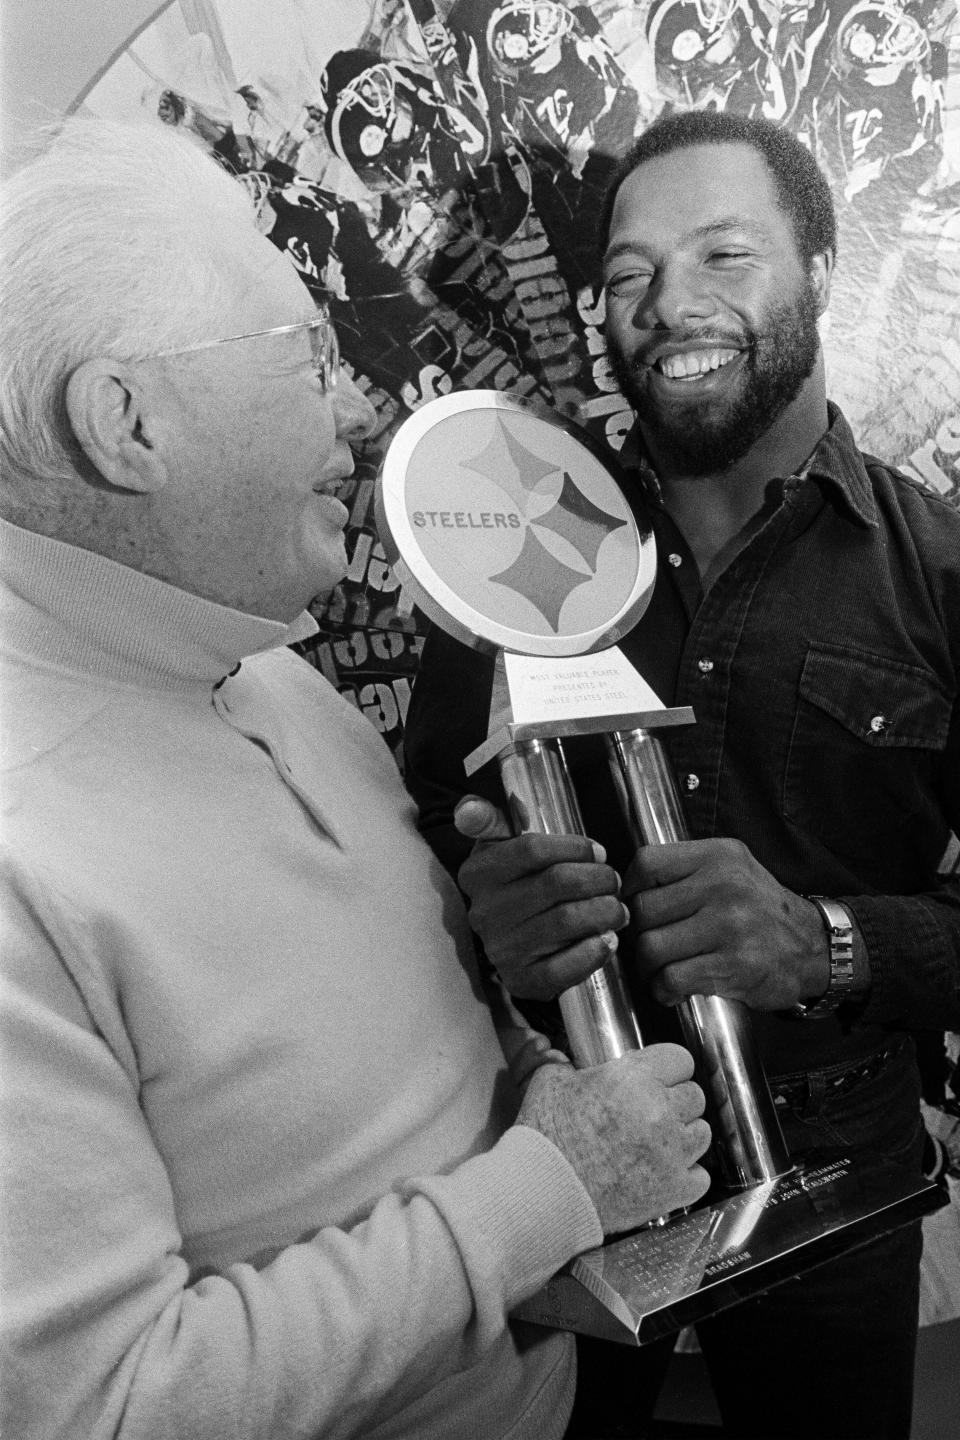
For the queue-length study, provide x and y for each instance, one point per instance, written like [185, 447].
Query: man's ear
[113, 420]
[821, 273]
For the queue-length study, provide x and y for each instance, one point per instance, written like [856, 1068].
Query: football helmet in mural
[392, 126]
[695, 46]
[521, 32]
[731, 54]
[369, 114]
[877, 40]
[878, 114]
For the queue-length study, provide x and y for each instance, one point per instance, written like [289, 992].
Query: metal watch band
[839, 928]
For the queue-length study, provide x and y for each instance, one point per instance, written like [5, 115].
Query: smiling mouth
[693, 364]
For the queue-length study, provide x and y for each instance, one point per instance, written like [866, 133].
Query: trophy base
[653, 1282]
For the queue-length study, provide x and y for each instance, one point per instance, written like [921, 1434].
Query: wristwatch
[839, 927]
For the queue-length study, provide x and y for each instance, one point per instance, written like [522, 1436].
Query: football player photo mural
[435, 171]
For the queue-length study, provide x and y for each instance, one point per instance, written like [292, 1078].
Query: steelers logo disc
[509, 528]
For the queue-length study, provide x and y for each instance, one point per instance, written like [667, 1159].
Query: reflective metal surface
[598, 1015]
[748, 1140]
[650, 1284]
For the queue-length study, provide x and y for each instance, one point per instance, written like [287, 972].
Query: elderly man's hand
[712, 921]
[631, 1129]
[545, 907]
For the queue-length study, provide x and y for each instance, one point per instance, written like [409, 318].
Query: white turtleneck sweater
[258, 1173]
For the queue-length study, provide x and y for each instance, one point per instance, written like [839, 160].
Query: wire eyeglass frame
[324, 346]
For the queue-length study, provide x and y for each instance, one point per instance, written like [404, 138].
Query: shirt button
[704, 666]
[879, 723]
[675, 559]
[691, 781]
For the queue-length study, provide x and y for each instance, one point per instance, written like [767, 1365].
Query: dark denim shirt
[822, 664]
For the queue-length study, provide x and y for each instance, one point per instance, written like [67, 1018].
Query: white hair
[120, 240]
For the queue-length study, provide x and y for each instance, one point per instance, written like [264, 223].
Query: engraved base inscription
[655, 1281]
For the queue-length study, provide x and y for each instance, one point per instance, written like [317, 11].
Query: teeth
[694, 363]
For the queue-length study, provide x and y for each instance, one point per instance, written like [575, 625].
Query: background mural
[436, 169]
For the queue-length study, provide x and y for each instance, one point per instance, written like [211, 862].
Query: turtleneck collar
[81, 611]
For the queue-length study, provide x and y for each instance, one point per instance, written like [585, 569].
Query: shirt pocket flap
[883, 701]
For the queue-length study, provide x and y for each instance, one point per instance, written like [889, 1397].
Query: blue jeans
[826, 1356]
[830, 1354]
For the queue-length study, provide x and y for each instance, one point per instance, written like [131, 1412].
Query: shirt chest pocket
[861, 764]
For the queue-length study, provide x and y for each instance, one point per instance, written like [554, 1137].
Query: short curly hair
[801, 186]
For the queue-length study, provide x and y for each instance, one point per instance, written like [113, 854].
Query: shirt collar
[633, 457]
[836, 461]
[82, 611]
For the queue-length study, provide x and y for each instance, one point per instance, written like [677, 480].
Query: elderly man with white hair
[267, 1169]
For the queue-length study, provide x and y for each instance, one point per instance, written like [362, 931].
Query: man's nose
[677, 295]
[354, 415]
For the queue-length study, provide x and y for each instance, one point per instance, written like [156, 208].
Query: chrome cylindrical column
[598, 1014]
[749, 1141]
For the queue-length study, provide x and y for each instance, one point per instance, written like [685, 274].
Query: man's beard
[777, 360]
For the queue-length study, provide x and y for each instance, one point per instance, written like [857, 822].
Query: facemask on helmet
[519, 32]
[876, 40]
[693, 34]
[367, 118]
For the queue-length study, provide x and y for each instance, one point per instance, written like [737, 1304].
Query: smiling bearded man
[713, 295]
[778, 357]
[801, 608]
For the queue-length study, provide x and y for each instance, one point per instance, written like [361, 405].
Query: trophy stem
[598, 1014]
[749, 1141]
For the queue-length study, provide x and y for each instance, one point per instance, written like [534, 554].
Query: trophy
[508, 529]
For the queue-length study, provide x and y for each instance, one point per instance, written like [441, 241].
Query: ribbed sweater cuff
[519, 1213]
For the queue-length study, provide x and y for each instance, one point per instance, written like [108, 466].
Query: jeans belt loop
[815, 1096]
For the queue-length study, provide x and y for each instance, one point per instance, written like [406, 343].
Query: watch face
[510, 530]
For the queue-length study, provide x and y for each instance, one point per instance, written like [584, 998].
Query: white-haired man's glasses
[324, 348]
